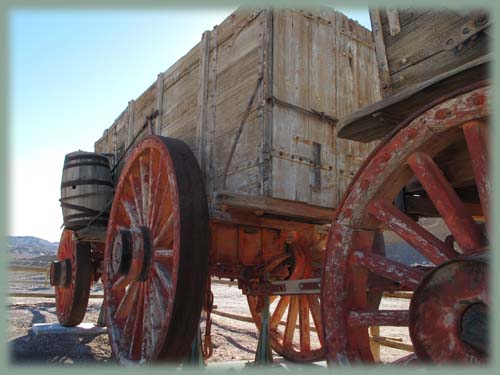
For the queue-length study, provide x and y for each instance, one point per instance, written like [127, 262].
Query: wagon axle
[449, 312]
[60, 272]
[131, 253]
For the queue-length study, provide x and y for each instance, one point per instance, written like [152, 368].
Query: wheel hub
[449, 312]
[131, 253]
[60, 273]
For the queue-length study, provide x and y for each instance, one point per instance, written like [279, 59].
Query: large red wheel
[295, 324]
[156, 257]
[71, 275]
[439, 157]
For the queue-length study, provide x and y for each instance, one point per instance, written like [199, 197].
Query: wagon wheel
[156, 257]
[71, 275]
[300, 338]
[423, 152]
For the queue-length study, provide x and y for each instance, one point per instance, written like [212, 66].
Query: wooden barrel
[86, 190]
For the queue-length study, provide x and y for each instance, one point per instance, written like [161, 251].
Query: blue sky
[71, 75]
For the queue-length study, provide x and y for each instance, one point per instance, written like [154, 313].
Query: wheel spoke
[164, 277]
[474, 133]
[291, 320]
[393, 318]
[137, 333]
[157, 192]
[165, 234]
[145, 187]
[445, 199]
[136, 192]
[422, 240]
[316, 315]
[161, 200]
[157, 305]
[147, 344]
[120, 284]
[163, 254]
[279, 311]
[127, 302]
[131, 213]
[150, 190]
[389, 269]
[305, 334]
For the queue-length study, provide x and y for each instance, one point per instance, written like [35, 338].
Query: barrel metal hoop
[93, 194]
[86, 182]
[86, 164]
[86, 156]
[79, 208]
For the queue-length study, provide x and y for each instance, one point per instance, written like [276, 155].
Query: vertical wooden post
[267, 119]
[382, 64]
[159, 103]
[201, 130]
[130, 129]
[211, 115]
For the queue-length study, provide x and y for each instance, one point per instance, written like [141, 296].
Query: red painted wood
[422, 240]
[475, 135]
[390, 269]
[394, 318]
[445, 199]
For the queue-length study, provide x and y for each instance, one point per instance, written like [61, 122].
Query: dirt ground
[232, 340]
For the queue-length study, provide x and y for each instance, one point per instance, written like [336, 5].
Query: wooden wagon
[229, 165]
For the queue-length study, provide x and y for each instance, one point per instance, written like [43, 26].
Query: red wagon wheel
[156, 257]
[295, 324]
[440, 156]
[71, 275]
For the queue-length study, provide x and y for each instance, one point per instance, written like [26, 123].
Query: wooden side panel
[417, 52]
[304, 71]
[356, 85]
[180, 111]
[237, 75]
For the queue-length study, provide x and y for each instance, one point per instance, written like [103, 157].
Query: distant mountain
[30, 247]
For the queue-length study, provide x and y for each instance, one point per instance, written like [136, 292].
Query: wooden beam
[382, 64]
[130, 129]
[159, 102]
[275, 206]
[201, 129]
[267, 89]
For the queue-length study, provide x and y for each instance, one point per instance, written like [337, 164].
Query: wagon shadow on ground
[32, 349]
[54, 348]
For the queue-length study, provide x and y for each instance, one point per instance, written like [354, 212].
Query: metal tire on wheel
[156, 257]
[440, 156]
[71, 275]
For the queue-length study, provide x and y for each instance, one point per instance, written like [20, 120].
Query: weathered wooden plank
[382, 64]
[225, 200]
[286, 148]
[374, 121]
[201, 130]
[130, 124]
[159, 102]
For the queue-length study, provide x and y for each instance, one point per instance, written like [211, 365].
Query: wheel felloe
[71, 275]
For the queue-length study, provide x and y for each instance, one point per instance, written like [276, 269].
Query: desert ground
[232, 340]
